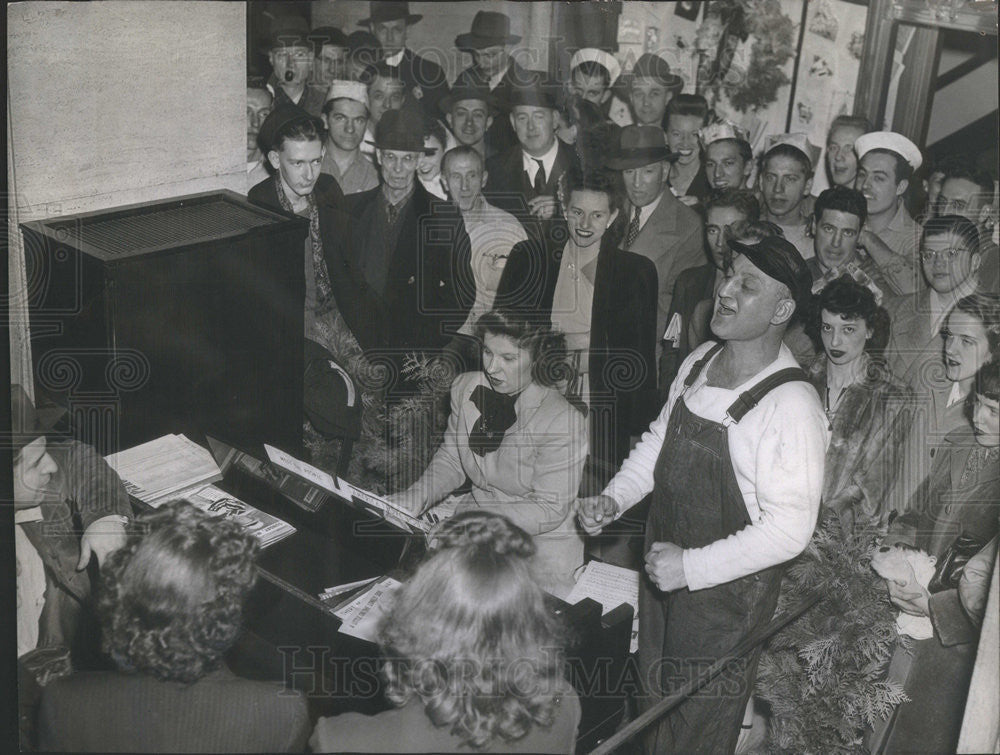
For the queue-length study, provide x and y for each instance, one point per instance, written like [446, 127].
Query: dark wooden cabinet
[182, 315]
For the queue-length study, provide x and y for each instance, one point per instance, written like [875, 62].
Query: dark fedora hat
[401, 130]
[533, 88]
[655, 67]
[489, 29]
[386, 10]
[638, 146]
[290, 31]
[28, 423]
[328, 35]
[461, 92]
[778, 258]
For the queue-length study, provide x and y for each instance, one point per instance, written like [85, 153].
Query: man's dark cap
[401, 130]
[382, 11]
[278, 119]
[328, 35]
[290, 31]
[655, 67]
[489, 29]
[461, 92]
[28, 423]
[534, 89]
[778, 258]
[639, 146]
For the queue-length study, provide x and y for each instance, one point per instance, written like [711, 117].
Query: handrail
[689, 688]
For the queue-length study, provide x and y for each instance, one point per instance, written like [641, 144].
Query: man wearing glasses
[950, 259]
[290, 52]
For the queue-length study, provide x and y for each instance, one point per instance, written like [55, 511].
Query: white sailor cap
[891, 141]
[592, 54]
[352, 90]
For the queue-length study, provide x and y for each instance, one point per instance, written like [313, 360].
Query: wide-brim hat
[461, 92]
[489, 29]
[534, 89]
[328, 35]
[639, 146]
[891, 141]
[778, 258]
[401, 130]
[28, 423]
[653, 66]
[279, 118]
[385, 10]
[290, 31]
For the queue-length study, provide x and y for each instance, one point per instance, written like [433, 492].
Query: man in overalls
[735, 466]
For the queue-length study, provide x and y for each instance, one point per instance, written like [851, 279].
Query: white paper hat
[352, 90]
[891, 141]
[592, 54]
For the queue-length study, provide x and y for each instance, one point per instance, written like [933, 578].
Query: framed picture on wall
[688, 10]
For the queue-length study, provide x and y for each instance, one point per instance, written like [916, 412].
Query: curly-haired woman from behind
[473, 657]
[170, 605]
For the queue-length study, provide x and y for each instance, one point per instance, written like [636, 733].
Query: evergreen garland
[823, 676]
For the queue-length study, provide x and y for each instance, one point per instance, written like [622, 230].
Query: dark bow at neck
[496, 416]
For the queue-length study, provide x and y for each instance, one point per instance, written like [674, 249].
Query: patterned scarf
[324, 292]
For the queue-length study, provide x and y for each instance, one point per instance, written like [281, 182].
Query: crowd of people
[640, 310]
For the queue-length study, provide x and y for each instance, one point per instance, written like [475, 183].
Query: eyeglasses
[946, 255]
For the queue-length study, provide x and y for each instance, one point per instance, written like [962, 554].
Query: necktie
[496, 415]
[539, 178]
[633, 229]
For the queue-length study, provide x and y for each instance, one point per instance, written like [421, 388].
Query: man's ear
[486, 177]
[272, 157]
[807, 187]
[447, 118]
[783, 311]
[606, 96]
[901, 187]
[511, 116]
[489, 121]
[812, 226]
[378, 156]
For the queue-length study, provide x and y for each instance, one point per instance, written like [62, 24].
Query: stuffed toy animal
[906, 566]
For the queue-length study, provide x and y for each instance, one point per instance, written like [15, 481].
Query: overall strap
[700, 365]
[752, 396]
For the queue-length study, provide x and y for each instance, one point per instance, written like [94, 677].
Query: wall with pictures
[434, 35]
[755, 44]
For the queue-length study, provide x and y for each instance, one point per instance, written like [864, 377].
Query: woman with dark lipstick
[869, 409]
[970, 338]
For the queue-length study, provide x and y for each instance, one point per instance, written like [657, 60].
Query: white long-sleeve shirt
[777, 451]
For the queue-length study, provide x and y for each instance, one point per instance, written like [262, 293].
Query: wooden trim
[876, 62]
[915, 96]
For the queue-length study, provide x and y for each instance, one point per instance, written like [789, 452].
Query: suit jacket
[425, 80]
[673, 238]
[327, 192]
[508, 188]
[694, 285]
[430, 287]
[500, 136]
[108, 711]
[622, 338]
[911, 343]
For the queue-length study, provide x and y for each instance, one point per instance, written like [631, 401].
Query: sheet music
[360, 617]
[389, 510]
[298, 467]
[165, 468]
[610, 586]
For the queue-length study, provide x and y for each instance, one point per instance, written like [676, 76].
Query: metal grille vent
[163, 226]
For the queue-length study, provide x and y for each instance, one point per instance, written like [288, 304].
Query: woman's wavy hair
[546, 346]
[171, 598]
[470, 637]
[846, 297]
[985, 308]
[481, 528]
